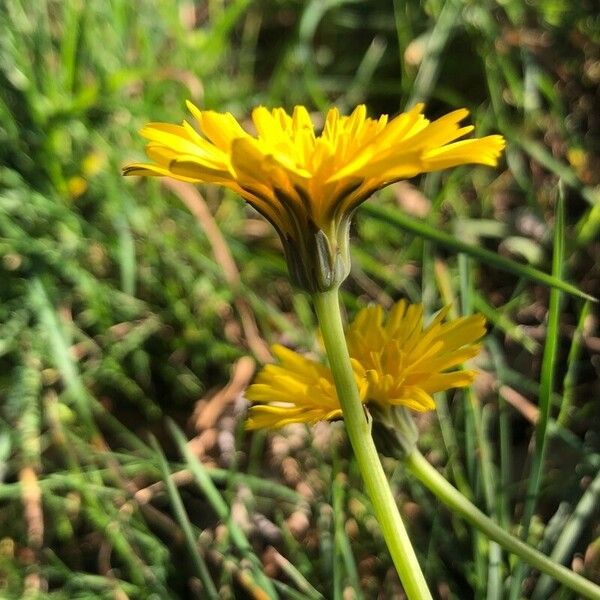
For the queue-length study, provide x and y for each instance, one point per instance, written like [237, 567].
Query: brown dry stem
[196, 204]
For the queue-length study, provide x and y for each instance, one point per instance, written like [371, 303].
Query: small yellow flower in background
[297, 390]
[396, 363]
[308, 185]
[405, 363]
[76, 186]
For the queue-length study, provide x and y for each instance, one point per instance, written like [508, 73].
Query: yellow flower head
[297, 390]
[308, 185]
[396, 363]
[406, 363]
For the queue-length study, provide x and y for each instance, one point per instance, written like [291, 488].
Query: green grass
[116, 317]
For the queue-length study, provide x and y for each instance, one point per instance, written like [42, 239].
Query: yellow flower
[308, 185]
[406, 363]
[297, 390]
[396, 363]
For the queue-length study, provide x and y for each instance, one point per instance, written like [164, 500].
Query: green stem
[418, 465]
[359, 431]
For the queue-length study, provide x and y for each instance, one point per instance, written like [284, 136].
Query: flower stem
[418, 465]
[359, 431]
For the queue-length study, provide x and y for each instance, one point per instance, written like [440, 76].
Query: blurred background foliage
[123, 304]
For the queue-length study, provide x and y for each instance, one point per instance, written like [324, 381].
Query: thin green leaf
[572, 364]
[570, 534]
[206, 485]
[400, 220]
[546, 391]
[343, 547]
[184, 522]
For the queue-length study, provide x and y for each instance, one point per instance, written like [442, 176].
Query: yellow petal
[220, 128]
[484, 151]
[190, 166]
[153, 171]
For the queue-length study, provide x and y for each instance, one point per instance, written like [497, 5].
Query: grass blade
[546, 390]
[343, 547]
[209, 489]
[399, 220]
[572, 367]
[570, 533]
[59, 345]
[184, 522]
[442, 31]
